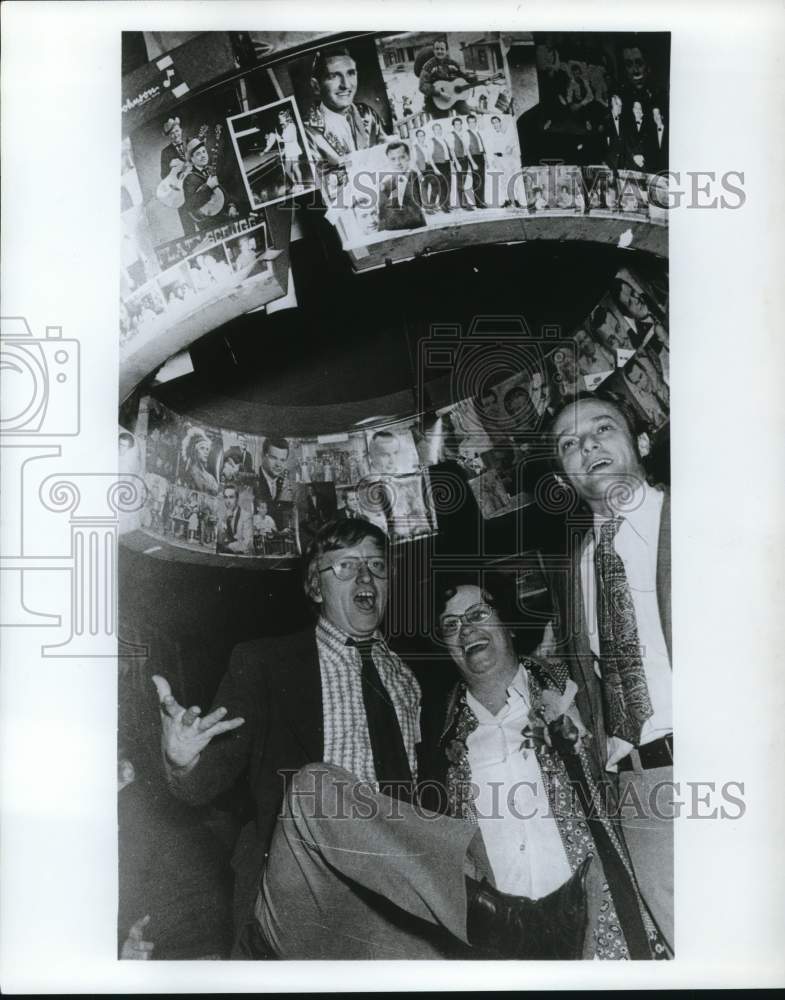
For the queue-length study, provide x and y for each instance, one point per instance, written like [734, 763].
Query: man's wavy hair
[319, 63]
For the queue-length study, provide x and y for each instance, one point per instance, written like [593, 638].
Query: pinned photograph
[272, 152]
[235, 528]
[143, 311]
[391, 451]
[199, 461]
[177, 287]
[642, 381]
[246, 253]
[209, 269]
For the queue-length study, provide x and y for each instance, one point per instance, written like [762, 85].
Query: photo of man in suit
[235, 528]
[614, 626]
[658, 139]
[400, 193]
[477, 153]
[443, 159]
[274, 488]
[637, 141]
[466, 165]
[615, 134]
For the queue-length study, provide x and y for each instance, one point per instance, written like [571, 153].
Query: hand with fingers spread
[184, 734]
[134, 946]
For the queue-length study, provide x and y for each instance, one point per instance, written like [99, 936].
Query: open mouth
[365, 600]
[475, 646]
[598, 464]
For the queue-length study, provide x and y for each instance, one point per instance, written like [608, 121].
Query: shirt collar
[518, 686]
[333, 116]
[337, 635]
[643, 515]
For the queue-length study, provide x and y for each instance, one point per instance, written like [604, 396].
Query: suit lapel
[299, 683]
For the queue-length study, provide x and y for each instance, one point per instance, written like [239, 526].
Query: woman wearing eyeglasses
[511, 757]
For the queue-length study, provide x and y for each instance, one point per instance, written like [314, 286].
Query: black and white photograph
[355, 607]
[246, 253]
[272, 152]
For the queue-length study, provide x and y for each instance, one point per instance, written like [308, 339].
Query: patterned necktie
[625, 691]
[389, 753]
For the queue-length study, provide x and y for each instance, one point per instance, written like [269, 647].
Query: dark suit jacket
[275, 685]
[657, 152]
[409, 214]
[637, 143]
[616, 142]
[264, 490]
[169, 153]
[572, 633]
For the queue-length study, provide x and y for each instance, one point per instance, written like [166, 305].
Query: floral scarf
[576, 837]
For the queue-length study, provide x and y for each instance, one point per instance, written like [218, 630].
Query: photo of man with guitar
[205, 199]
[173, 170]
[440, 77]
[444, 84]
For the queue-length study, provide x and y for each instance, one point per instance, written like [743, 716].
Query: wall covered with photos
[392, 136]
[224, 491]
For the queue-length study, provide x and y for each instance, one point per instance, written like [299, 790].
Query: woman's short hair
[497, 590]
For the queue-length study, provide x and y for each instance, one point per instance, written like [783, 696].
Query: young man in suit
[466, 165]
[657, 154]
[443, 158]
[477, 153]
[235, 528]
[615, 134]
[614, 626]
[400, 193]
[326, 723]
[274, 489]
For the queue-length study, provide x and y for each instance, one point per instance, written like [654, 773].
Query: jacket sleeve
[242, 694]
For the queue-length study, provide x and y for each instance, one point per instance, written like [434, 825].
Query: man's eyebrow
[601, 416]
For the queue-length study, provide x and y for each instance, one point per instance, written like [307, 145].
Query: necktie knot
[610, 529]
[363, 645]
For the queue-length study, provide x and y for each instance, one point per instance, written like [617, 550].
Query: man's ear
[644, 444]
[313, 590]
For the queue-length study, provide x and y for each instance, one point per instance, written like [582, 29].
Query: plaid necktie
[625, 692]
[389, 753]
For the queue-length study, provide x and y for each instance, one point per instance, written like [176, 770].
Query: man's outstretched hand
[184, 733]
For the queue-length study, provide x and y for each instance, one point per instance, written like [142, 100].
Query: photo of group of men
[603, 98]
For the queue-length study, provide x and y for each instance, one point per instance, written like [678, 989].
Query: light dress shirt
[637, 543]
[521, 837]
[347, 743]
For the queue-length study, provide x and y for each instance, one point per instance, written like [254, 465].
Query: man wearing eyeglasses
[339, 862]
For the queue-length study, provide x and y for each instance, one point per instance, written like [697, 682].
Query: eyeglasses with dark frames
[475, 615]
[348, 567]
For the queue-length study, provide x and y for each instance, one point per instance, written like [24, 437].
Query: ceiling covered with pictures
[265, 193]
